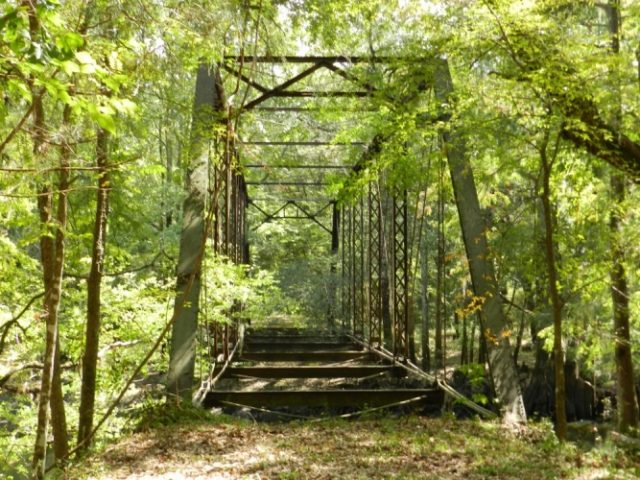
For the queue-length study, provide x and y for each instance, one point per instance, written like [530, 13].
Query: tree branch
[14, 321]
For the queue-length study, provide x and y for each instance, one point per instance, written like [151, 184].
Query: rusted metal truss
[283, 213]
[362, 264]
[375, 265]
[400, 289]
[358, 268]
[229, 201]
[360, 232]
[234, 65]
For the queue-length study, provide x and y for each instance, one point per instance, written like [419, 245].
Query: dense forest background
[95, 146]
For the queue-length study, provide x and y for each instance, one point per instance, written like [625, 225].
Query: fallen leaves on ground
[376, 448]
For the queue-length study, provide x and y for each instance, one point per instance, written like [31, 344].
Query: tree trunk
[52, 258]
[58, 414]
[626, 395]
[207, 103]
[495, 328]
[464, 340]
[556, 304]
[94, 284]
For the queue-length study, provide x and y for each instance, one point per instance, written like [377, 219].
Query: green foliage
[159, 414]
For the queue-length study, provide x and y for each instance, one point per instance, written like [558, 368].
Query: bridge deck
[276, 365]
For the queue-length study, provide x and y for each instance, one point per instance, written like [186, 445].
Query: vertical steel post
[343, 268]
[375, 265]
[349, 262]
[400, 275]
[356, 244]
[335, 246]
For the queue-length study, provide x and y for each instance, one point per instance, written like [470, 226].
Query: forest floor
[382, 447]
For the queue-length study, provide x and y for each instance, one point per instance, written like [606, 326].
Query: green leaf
[69, 67]
[87, 63]
[69, 41]
[21, 88]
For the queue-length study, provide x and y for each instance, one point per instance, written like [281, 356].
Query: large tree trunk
[207, 103]
[94, 285]
[626, 396]
[495, 328]
[556, 304]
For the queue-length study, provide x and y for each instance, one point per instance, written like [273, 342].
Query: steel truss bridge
[370, 236]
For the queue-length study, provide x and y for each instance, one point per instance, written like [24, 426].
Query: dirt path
[405, 448]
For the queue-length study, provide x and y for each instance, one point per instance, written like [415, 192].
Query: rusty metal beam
[317, 59]
[315, 371]
[290, 184]
[313, 143]
[276, 91]
[308, 356]
[322, 398]
[298, 166]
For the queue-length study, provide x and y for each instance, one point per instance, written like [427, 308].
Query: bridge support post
[183, 338]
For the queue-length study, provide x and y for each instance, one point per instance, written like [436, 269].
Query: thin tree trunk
[494, 324]
[52, 258]
[94, 286]
[554, 295]
[48, 260]
[464, 352]
[516, 350]
[626, 395]
[58, 414]
[472, 340]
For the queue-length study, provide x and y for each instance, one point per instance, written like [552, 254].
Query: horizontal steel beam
[299, 166]
[309, 199]
[297, 339]
[313, 372]
[316, 59]
[299, 347]
[291, 184]
[323, 398]
[271, 331]
[302, 143]
[316, 94]
[315, 109]
[306, 356]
